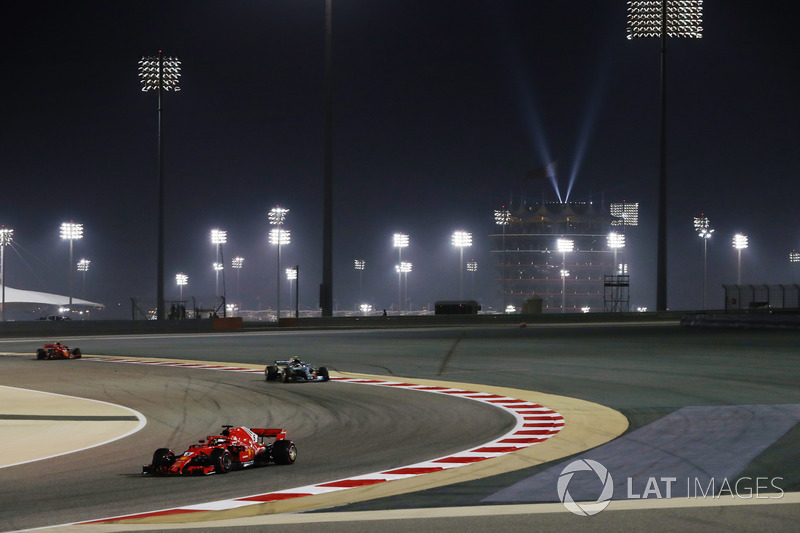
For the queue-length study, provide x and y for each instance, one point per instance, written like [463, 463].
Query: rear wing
[277, 434]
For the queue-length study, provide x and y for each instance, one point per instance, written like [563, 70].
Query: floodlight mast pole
[661, 254]
[6, 237]
[155, 79]
[326, 289]
[278, 236]
[704, 231]
[686, 17]
[503, 217]
[71, 231]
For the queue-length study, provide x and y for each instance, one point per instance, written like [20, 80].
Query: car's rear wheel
[163, 457]
[271, 372]
[41, 354]
[323, 373]
[284, 452]
[76, 353]
[222, 461]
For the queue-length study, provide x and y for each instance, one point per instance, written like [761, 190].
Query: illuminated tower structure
[565, 281]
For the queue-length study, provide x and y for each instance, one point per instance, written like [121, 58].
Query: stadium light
[564, 246]
[160, 73]
[360, 264]
[237, 263]
[181, 279]
[71, 231]
[291, 275]
[279, 237]
[615, 242]
[83, 266]
[402, 269]
[400, 240]
[704, 231]
[461, 239]
[218, 238]
[6, 238]
[472, 266]
[794, 257]
[739, 243]
[502, 217]
[663, 19]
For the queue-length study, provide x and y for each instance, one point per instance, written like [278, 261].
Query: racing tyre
[41, 354]
[76, 353]
[323, 373]
[222, 461]
[287, 375]
[284, 452]
[163, 457]
[271, 372]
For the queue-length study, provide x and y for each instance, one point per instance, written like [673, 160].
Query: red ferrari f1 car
[58, 351]
[234, 448]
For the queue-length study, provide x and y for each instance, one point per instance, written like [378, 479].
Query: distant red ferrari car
[58, 351]
[234, 448]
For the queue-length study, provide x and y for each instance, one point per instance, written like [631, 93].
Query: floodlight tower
[237, 263]
[218, 238]
[704, 231]
[160, 73]
[360, 264]
[181, 279]
[278, 236]
[739, 243]
[291, 275]
[83, 266]
[472, 266]
[663, 19]
[794, 257]
[6, 238]
[461, 239]
[625, 214]
[71, 231]
[400, 241]
[503, 218]
[564, 246]
[615, 242]
[326, 288]
[402, 270]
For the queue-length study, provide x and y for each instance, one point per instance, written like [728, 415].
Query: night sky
[440, 108]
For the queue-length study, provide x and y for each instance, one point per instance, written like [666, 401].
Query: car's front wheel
[287, 375]
[41, 354]
[323, 373]
[271, 373]
[76, 353]
[163, 457]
